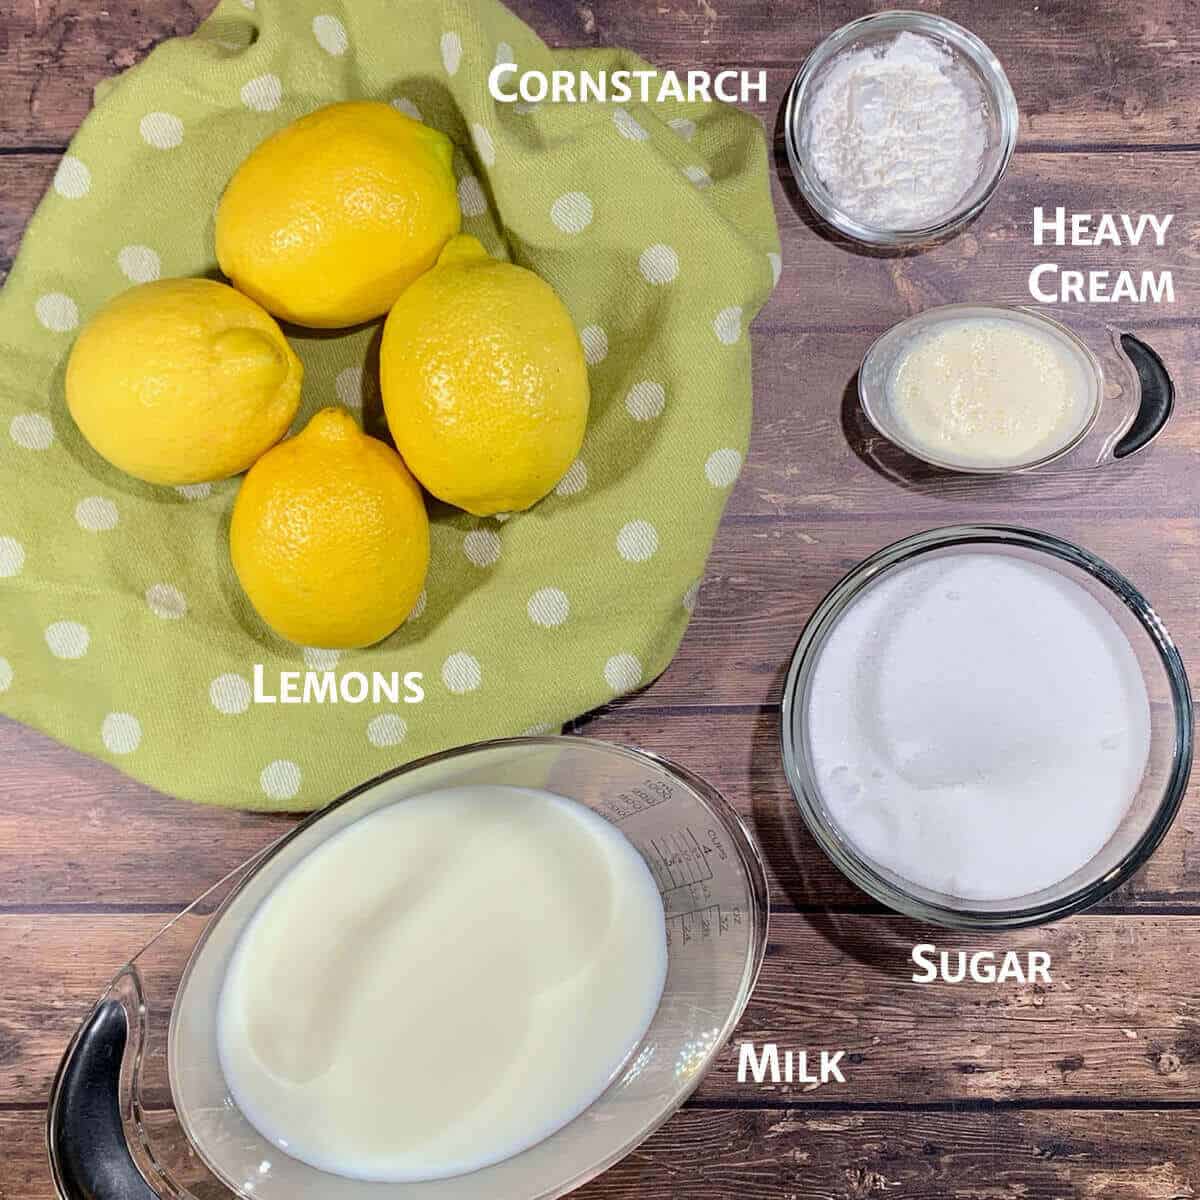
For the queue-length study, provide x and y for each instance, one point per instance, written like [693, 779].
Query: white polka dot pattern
[637, 541]
[462, 673]
[96, 514]
[723, 467]
[12, 557]
[280, 780]
[471, 198]
[121, 733]
[623, 672]
[727, 325]
[451, 52]
[572, 212]
[658, 264]
[482, 547]
[31, 431]
[331, 35]
[57, 312]
[484, 146]
[645, 400]
[387, 729]
[162, 130]
[548, 607]
[72, 179]
[67, 639]
[139, 264]
[230, 694]
[263, 93]
[166, 601]
[574, 481]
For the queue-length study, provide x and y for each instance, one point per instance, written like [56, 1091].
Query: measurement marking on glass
[681, 860]
[638, 799]
[702, 923]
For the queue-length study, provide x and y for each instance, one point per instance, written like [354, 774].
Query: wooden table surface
[1086, 1088]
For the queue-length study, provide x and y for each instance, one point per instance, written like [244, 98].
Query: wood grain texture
[1084, 72]
[774, 1153]
[56, 51]
[829, 980]
[1088, 1088]
[991, 261]
[94, 842]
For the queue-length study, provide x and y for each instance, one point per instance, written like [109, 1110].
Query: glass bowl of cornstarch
[899, 127]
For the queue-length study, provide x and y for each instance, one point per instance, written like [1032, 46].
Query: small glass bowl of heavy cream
[982, 388]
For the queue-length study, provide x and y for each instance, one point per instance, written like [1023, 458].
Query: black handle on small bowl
[1158, 397]
[88, 1152]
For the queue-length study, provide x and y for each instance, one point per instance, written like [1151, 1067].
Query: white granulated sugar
[897, 133]
[978, 724]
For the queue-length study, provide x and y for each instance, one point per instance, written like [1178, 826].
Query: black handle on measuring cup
[88, 1153]
[1157, 397]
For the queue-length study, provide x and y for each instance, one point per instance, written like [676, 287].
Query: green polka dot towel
[122, 629]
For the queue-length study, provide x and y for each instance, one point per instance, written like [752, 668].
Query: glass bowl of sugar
[899, 127]
[987, 727]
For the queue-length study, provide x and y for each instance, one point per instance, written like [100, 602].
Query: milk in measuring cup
[442, 984]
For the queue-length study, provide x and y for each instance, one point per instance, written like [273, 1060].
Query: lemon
[484, 382]
[330, 219]
[329, 537]
[182, 381]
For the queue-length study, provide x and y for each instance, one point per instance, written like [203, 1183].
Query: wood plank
[24, 179]
[74, 831]
[93, 840]
[1113, 72]
[1089, 71]
[764, 579]
[874, 291]
[1119, 1019]
[763, 1154]
[56, 51]
[142, 849]
[814, 457]
[738, 753]
[992, 259]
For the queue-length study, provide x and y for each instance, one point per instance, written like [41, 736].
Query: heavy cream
[989, 391]
[442, 984]
[978, 724]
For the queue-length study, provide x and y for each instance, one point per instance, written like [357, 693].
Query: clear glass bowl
[1152, 809]
[140, 1100]
[1130, 395]
[969, 53]
[875, 374]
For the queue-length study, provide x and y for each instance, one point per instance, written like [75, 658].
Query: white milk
[989, 392]
[443, 984]
[978, 724]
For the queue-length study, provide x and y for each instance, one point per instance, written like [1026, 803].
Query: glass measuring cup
[1130, 394]
[140, 1108]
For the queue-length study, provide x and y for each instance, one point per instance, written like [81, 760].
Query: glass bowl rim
[900, 20]
[749, 856]
[930, 315]
[795, 759]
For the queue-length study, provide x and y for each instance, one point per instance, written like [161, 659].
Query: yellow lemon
[329, 537]
[182, 381]
[330, 219]
[484, 382]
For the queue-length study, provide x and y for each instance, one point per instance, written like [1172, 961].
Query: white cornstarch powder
[897, 133]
